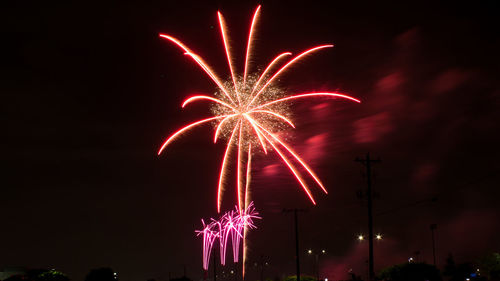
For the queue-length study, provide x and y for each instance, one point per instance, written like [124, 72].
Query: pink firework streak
[209, 236]
[249, 111]
[233, 225]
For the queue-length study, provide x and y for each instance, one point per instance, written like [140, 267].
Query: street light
[361, 237]
[310, 252]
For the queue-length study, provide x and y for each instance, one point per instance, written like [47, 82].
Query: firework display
[249, 111]
[231, 226]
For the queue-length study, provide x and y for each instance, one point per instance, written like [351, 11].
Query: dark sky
[89, 92]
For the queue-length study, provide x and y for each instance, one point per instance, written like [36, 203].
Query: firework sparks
[232, 226]
[209, 236]
[249, 111]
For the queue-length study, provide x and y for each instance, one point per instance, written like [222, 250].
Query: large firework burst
[249, 110]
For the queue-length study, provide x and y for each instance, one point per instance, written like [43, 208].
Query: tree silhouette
[51, 275]
[458, 272]
[39, 275]
[410, 272]
[489, 266]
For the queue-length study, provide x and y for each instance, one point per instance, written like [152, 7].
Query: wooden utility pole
[367, 163]
[297, 252]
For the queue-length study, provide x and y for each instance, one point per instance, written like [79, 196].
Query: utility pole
[367, 163]
[433, 227]
[295, 211]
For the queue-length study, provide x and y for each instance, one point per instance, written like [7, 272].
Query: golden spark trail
[224, 39]
[249, 44]
[278, 58]
[195, 98]
[313, 175]
[223, 170]
[284, 67]
[274, 114]
[238, 176]
[219, 127]
[335, 95]
[176, 134]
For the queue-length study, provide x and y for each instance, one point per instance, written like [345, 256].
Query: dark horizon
[91, 92]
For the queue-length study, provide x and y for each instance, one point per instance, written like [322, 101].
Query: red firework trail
[249, 110]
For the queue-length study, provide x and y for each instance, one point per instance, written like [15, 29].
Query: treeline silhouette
[487, 268]
[99, 274]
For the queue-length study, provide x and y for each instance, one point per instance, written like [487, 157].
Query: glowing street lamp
[361, 237]
[310, 252]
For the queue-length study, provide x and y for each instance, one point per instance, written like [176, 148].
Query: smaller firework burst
[232, 225]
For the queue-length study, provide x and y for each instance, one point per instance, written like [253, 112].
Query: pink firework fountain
[209, 235]
[233, 225]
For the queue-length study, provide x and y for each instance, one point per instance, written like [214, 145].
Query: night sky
[89, 92]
